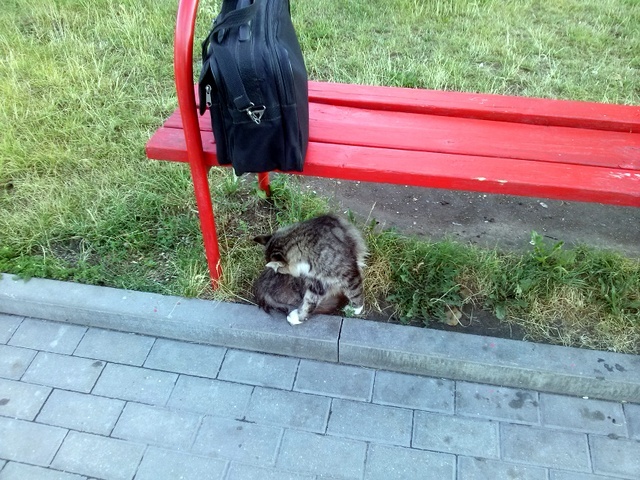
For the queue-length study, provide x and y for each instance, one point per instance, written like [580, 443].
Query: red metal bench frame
[557, 149]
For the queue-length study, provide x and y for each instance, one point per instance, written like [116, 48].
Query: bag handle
[235, 18]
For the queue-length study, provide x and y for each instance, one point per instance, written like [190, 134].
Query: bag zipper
[276, 63]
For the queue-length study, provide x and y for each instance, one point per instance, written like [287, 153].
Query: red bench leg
[263, 183]
[183, 68]
[207, 221]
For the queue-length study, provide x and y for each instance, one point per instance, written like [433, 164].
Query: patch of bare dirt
[487, 220]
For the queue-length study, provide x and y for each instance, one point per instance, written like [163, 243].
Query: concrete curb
[216, 323]
[563, 370]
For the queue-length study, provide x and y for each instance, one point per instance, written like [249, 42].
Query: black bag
[254, 81]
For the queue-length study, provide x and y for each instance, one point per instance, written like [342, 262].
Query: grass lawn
[85, 83]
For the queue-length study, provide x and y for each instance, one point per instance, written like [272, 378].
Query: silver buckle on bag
[207, 90]
[255, 113]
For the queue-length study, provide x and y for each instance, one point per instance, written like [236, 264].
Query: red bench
[554, 149]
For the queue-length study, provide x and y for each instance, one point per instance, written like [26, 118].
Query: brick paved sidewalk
[111, 405]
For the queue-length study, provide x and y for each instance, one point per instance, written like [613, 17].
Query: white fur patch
[358, 310]
[300, 269]
[274, 265]
[293, 318]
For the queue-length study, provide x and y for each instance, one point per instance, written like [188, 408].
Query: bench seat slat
[465, 136]
[441, 170]
[577, 114]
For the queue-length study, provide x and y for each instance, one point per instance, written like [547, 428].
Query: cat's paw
[293, 318]
[358, 310]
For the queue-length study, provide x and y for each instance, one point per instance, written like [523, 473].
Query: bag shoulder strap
[225, 61]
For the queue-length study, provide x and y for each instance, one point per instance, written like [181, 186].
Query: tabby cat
[284, 293]
[327, 253]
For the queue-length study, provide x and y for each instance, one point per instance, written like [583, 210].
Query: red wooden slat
[430, 133]
[437, 170]
[167, 144]
[433, 133]
[622, 118]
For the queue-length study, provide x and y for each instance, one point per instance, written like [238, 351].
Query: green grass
[580, 296]
[582, 50]
[85, 83]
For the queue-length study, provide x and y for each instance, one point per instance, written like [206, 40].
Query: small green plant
[549, 256]
[426, 279]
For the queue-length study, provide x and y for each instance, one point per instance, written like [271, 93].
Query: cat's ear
[278, 257]
[262, 239]
[277, 262]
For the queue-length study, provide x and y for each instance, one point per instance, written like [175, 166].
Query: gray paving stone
[259, 369]
[300, 411]
[449, 434]
[14, 361]
[632, 414]
[482, 469]
[498, 403]
[366, 421]
[558, 475]
[545, 447]
[159, 464]
[584, 415]
[20, 471]
[21, 400]
[412, 391]
[78, 411]
[341, 381]
[135, 384]
[618, 457]
[117, 347]
[395, 463]
[310, 453]
[8, 325]
[213, 397]
[188, 358]
[157, 426]
[29, 442]
[47, 336]
[97, 456]
[236, 440]
[239, 471]
[64, 371]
